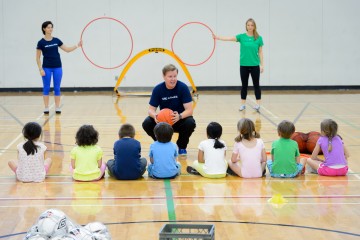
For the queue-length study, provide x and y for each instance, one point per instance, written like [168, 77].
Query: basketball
[165, 115]
[312, 140]
[300, 138]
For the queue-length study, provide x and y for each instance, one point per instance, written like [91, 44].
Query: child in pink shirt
[249, 156]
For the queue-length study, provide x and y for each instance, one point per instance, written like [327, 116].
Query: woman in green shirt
[251, 60]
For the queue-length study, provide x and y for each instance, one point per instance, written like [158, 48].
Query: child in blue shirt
[127, 163]
[163, 154]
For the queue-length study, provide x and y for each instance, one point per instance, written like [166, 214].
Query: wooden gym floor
[307, 207]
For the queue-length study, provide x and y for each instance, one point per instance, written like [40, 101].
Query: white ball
[64, 237]
[32, 232]
[69, 237]
[96, 227]
[52, 222]
[58, 237]
[37, 237]
[81, 234]
[102, 236]
[71, 224]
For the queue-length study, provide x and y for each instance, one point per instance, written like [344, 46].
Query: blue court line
[336, 117]
[245, 222]
[48, 117]
[219, 221]
[12, 235]
[301, 113]
[15, 118]
[267, 118]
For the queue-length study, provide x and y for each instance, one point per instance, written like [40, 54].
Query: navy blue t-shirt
[127, 152]
[50, 52]
[171, 98]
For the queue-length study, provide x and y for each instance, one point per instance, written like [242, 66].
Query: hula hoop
[114, 19]
[172, 43]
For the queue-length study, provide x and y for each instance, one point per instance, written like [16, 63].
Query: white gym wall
[306, 43]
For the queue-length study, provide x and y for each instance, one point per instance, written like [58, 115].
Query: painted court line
[169, 197]
[354, 174]
[222, 222]
[169, 200]
[301, 113]
[266, 179]
[19, 136]
[181, 204]
[355, 126]
[263, 108]
[265, 203]
[190, 181]
[13, 116]
[10, 144]
[84, 205]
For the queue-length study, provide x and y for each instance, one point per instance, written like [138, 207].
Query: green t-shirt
[249, 49]
[86, 162]
[284, 152]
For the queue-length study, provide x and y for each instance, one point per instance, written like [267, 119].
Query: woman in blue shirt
[48, 47]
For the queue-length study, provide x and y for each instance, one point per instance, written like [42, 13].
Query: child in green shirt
[285, 156]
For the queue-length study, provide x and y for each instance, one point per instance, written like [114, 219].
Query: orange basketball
[312, 140]
[165, 115]
[300, 138]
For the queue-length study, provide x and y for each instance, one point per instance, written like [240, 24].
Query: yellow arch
[154, 50]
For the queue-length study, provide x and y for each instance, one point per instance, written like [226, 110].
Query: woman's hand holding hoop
[79, 44]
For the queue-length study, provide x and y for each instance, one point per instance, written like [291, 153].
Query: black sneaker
[231, 172]
[46, 111]
[58, 110]
[264, 173]
[192, 171]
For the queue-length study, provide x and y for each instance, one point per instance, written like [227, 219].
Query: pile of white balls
[53, 224]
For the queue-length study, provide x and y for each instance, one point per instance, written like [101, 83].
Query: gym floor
[306, 207]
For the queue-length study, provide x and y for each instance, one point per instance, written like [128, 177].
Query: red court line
[180, 197]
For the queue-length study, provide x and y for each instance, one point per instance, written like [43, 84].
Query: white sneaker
[58, 110]
[242, 107]
[310, 169]
[257, 107]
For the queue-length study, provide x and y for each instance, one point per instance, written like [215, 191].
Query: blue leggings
[57, 75]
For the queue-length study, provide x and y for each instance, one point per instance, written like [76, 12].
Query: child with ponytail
[334, 150]
[32, 164]
[249, 156]
[211, 161]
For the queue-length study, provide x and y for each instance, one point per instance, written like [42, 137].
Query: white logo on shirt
[167, 98]
[51, 45]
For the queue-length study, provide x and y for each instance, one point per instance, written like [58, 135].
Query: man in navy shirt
[175, 95]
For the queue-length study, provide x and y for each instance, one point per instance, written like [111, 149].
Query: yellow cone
[277, 199]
